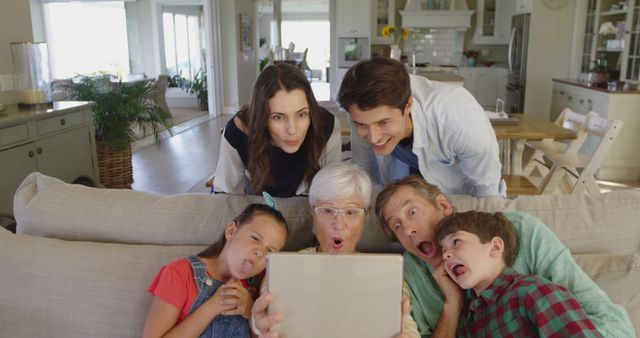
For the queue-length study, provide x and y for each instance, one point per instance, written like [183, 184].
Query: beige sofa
[83, 258]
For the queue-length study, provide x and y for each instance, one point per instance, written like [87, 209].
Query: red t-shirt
[175, 284]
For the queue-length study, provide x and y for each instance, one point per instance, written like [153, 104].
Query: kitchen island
[442, 76]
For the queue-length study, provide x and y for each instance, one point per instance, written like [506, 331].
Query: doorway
[187, 51]
[303, 25]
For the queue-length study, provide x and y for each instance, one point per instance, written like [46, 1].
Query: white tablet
[329, 295]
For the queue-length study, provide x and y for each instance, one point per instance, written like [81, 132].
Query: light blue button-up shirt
[453, 139]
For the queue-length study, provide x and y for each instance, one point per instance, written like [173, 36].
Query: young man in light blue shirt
[405, 124]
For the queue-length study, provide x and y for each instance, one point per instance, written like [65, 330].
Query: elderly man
[410, 209]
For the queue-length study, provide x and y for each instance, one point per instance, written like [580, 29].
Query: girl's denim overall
[221, 326]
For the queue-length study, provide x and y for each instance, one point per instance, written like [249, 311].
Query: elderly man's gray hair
[340, 180]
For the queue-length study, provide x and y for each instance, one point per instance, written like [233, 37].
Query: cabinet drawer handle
[31, 154]
[570, 97]
[63, 122]
[581, 101]
[39, 150]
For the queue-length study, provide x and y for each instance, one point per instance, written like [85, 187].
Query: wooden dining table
[528, 127]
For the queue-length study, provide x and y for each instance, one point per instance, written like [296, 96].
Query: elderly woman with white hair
[340, 199]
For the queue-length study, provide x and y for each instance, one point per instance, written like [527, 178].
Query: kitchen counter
[583, 84]
[448, 77]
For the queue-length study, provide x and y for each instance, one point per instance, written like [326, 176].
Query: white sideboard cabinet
[59, 142]
[623, 161]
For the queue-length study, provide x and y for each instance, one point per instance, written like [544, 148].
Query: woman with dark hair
[280, 140]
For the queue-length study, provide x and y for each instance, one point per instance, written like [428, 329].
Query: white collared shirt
[453, 139]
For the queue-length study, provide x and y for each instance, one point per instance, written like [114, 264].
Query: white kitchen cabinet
[383, 15]
[623, 161]
[58, 142]
[486, 84]
[470, 80]
[339, 76]
[353, 18]
[493, 22]
[522, 6]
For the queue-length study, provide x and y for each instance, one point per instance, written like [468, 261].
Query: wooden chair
[301, 60]
[160, 98]
[575, 172]
[520, 185]
[61, 89]
[568, 119]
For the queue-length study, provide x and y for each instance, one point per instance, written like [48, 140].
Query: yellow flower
[387, 31]
[390, 31]
[405, 33]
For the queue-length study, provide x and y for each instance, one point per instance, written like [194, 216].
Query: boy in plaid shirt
[478, 250]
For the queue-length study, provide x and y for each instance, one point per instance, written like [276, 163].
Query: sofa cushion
[45, 206]
[584, 223]
[619, 277]
[57, 288]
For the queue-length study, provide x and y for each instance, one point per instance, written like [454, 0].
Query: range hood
[417, 14]
[460, 19]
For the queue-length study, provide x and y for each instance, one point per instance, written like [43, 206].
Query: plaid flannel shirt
[517, 305]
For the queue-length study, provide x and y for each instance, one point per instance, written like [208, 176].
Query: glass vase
[31, 70]
[395, 52]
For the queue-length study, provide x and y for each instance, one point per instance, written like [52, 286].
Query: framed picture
[246, 32]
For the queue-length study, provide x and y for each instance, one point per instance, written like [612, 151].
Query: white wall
[549, 55]
[247, 61]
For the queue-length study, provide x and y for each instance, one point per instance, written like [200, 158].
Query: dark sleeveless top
[287, 170]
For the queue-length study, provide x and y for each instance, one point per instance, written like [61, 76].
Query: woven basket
[115, 167]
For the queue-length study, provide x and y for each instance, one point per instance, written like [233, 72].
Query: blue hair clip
[268, 199]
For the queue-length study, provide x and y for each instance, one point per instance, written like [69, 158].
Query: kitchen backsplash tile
[442, 46]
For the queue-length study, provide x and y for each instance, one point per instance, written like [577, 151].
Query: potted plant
[472, 57]
[198, 86]
[177, 81]
[121, 112]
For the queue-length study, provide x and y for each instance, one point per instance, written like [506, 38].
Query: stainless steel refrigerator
[517, 59]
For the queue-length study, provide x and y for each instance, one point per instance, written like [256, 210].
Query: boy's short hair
[484, 225]
[373, 83]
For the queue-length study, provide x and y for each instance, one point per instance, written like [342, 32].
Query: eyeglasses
[332, 213]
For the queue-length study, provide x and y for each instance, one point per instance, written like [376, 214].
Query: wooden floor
[183, 162]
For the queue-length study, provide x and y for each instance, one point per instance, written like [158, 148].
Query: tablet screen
[329, 295]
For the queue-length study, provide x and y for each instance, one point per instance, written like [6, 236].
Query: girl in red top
[211, 294]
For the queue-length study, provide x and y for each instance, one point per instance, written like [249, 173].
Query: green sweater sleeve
[540, 253]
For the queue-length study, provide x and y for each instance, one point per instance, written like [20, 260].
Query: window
[298, 32]
[86, 37]
[182, 42]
